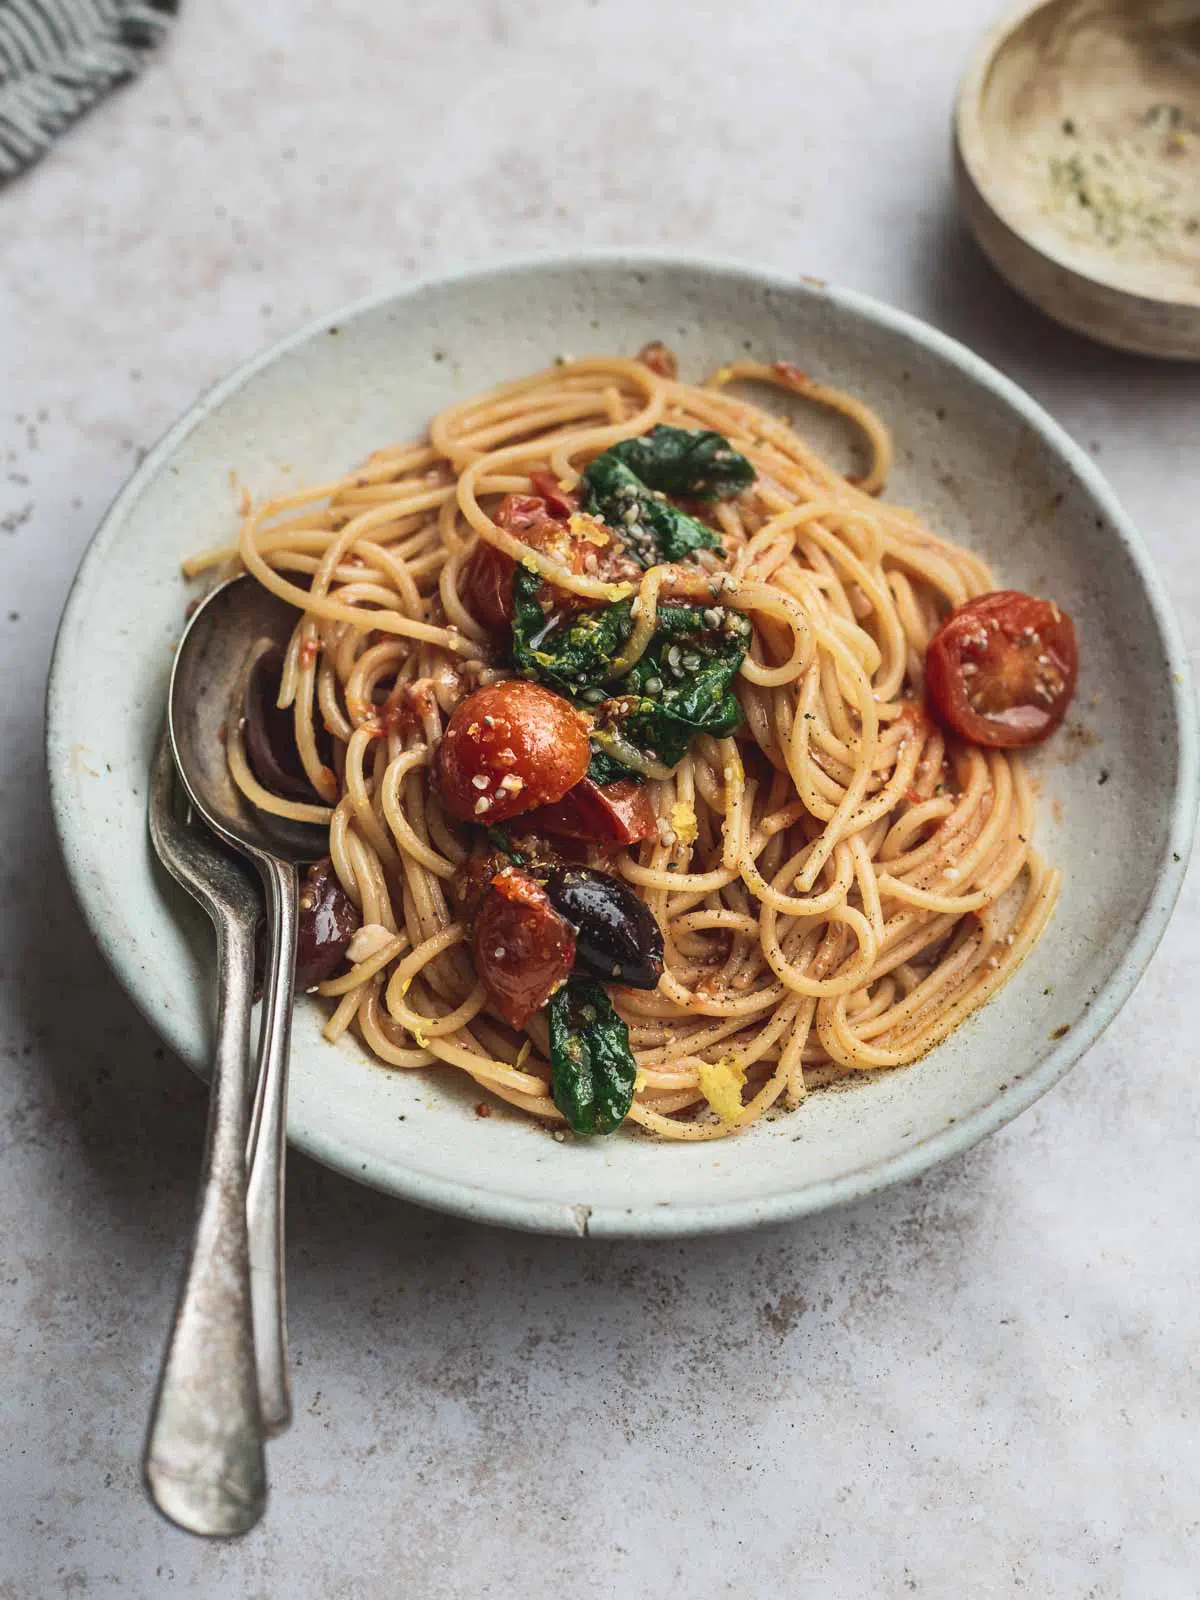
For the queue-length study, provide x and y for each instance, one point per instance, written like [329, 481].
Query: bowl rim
[510, 1208]
[970, 141]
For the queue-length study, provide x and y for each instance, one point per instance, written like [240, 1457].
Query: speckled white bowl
[974, 454]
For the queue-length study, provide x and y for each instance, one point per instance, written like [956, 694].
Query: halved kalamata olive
[270, 733]
[328, 921]
[616, 936]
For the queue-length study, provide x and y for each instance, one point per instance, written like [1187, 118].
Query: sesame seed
[482, 804]
[489, 722]
[479, 781]
[499, 952]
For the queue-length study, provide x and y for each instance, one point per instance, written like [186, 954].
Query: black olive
[270, 734]
[328, 920]
[616, 936]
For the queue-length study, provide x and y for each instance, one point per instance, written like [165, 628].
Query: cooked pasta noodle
[839, 884]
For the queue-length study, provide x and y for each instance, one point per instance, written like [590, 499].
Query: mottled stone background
[979, 1385]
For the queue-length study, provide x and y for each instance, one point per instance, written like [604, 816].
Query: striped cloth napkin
[58, 57]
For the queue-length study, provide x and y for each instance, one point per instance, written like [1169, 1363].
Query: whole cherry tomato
[508, 748]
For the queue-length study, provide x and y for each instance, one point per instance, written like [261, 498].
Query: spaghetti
[838, 881]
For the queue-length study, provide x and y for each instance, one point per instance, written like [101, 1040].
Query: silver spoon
[204, 1463]
[225, 631]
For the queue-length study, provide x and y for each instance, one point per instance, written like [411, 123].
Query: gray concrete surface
[983, 1384]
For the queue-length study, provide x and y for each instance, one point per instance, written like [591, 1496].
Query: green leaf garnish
[592, 1070]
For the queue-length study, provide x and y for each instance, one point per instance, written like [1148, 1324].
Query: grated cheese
[683, 822]
[721, 1084]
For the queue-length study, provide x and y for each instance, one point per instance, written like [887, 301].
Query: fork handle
[268, 1145]
[204, 1465]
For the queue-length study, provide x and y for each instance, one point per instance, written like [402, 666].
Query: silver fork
[204, 1462]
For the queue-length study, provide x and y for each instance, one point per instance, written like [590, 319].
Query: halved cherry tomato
[1001, 669]
[561, 503]
[508, 748]
[487, 586]
[487, 578]
[523, 949]
[610, 814]
[548, 523]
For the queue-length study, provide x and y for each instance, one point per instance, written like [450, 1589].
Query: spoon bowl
[229, 624]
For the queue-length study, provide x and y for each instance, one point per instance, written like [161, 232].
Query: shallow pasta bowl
[975, 456]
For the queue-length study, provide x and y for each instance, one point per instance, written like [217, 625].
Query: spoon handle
[268, 1146]
[204, 1464]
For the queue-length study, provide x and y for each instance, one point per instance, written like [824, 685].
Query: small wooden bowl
[1077, 144]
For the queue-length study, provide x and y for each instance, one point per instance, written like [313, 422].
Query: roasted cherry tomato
[487, 578]
[610, 814]
[1001, 669]
[544, 522]
[487, 586]
[328, 921]
[523, 949]
[507, 748]
[561, 503]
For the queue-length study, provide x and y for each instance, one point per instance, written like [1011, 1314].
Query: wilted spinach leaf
[571, 654]
[592, 1070]
[697, 465]
[627, 483]
[603, 768]
[652, 530]
[680, 686]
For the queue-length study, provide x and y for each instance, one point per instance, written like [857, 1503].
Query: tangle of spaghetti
[838, 884]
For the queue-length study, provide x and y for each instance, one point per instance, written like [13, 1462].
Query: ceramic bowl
[1077, 139]
[975, 456]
